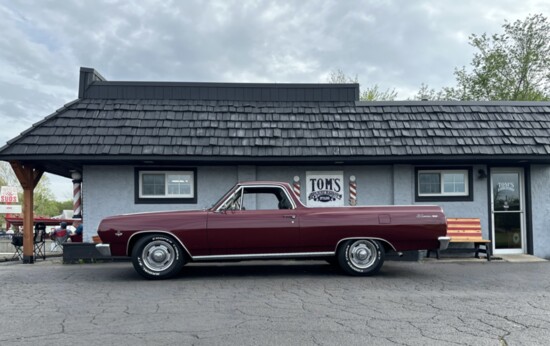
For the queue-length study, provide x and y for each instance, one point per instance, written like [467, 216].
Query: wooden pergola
[28, 177]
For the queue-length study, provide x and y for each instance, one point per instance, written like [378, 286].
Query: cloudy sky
[393, 43]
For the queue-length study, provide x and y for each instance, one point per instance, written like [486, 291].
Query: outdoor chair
[17, 242]
[40, 240]
[61, 236]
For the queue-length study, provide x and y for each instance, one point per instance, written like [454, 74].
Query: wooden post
[28, 178]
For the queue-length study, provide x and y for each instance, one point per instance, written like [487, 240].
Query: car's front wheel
[157, 256]
[361, 257]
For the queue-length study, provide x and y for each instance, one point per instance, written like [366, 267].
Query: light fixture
[481, 174]
[76, 175]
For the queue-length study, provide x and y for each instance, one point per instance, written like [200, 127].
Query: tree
[514, 65]
[427, 93]
[7, 177]
[369, 94]
[339, 77]
[375, 94]
[44, 200]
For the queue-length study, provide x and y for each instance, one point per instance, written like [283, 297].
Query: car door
[261, 221]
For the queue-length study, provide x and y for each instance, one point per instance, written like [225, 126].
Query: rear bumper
[104, 249]
[444, 242]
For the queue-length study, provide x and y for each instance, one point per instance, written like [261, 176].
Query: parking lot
[276, 303]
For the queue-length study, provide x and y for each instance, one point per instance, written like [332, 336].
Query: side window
[259, 198]
[169, 185]
[444, 184]
[260, 201]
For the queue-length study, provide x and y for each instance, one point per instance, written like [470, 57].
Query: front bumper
[103, 249]
[444, 242]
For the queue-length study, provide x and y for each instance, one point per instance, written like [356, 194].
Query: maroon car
[265, 220]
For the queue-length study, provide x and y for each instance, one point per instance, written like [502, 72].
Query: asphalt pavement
[276, 303]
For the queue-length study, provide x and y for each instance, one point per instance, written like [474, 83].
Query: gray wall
[540, 207]
[109, 190]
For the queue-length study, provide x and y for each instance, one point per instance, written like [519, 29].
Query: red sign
[8, 194]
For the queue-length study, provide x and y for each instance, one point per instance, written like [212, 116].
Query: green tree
[373, 93]
[369, 94]
[44, 200]
[427, 93]
[64, 205]
[7, 177]
[514, 65]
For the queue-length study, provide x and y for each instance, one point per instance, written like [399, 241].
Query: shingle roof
[241, 129]
[168, 128]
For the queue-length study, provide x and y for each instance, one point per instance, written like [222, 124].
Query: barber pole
[296, 186]
[77, 197]
[352, 191]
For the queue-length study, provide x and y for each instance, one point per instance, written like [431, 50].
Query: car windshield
[224, 196]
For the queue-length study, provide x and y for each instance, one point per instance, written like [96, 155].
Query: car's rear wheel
[157, 256]
[361, 257]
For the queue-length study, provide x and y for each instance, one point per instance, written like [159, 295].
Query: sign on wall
[8, 194]
[325, 189]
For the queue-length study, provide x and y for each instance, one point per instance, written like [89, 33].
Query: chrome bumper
[104, 249]
[444, 242]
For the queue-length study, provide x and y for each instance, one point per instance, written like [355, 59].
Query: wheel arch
[386, 244]
[138, 235]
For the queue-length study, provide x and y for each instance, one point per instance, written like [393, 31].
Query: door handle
[289, 216]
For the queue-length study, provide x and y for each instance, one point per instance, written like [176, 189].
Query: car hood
[160, 221]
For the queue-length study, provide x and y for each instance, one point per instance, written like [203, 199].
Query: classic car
[266, 220]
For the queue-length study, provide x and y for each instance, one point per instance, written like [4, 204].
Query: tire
[361, 257]
[157, 256]
[333, 261]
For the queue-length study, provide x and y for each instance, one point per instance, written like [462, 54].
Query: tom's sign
[325, 189]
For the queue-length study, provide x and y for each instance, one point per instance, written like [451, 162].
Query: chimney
[87, 77]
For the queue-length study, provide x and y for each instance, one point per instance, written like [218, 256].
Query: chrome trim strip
[265, 255]
[154, 231]
[374, 238]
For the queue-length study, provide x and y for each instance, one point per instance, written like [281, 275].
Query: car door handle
[289, 216]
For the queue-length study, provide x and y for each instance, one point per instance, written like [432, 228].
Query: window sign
[325, 189]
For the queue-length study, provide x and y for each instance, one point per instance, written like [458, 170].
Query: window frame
[164, 199]
[239, 192]
[468, 195]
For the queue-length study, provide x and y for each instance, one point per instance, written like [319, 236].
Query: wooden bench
[466, 231]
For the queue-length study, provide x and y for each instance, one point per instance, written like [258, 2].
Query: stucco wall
[540, 206]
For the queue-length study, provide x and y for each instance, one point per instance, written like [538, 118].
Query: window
[443, 184]
[165, 186]
[258, 198]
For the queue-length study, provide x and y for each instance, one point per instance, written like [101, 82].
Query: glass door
[508, 210]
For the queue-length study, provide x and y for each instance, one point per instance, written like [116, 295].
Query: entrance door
[508, 210]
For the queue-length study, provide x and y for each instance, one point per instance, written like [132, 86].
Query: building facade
[148, 146]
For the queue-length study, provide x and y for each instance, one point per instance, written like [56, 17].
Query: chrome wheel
[158, 255]
[362, 254]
